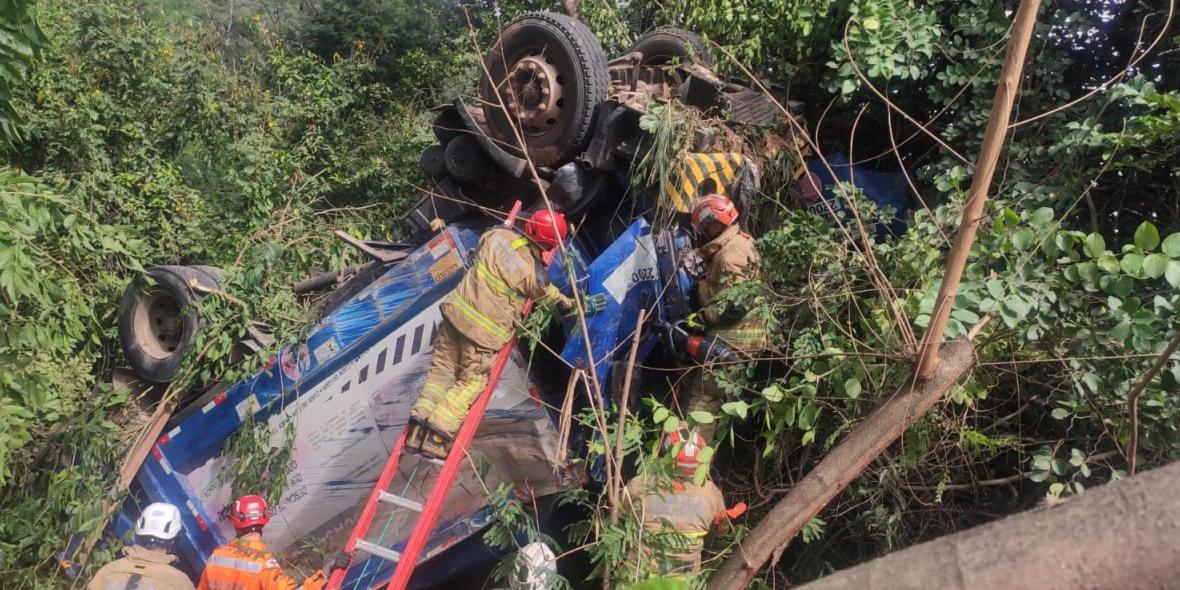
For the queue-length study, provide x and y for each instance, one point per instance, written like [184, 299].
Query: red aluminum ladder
[407, 560]
[428, 513]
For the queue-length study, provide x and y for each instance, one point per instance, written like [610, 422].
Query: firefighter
[246, 563]
[148, 564]
[478, 319]
[729, 256]
[676, 516]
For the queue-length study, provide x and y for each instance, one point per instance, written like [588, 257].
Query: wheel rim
[537, 94]
[157, 324]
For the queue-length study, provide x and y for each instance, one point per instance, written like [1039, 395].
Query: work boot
[415, 434]
[435, 446]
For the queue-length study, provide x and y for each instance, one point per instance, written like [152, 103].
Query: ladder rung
[406, 503]
[379, 551]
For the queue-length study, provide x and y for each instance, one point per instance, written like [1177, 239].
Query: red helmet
[546, 228]
[688, 446]
[713, 208]
[249, 511]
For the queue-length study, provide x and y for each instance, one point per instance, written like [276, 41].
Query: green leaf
[808, 437]
[773, 393]
[1171, 245]
[671, 424]
[1023, 239]
[737, 408]
[1059, 413]
[1058, 466]
[852, 387]
[1132, 263]
[807, 416]
[659, 415]
[1123, 286]
[848, 86]
[995, 288]
[1147, 237]
[1108, 263]
[1172, 274]
[701, 417]
[966, 316]
[1094, 245]
[1042, 216]
[1155, 266]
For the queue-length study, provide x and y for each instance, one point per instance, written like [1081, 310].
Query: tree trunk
[842, 465]
[1121, 535]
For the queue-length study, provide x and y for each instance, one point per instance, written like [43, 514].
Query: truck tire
[465, 160]
[158, 322]
[433, 161]
[669, 45]
[551, 72]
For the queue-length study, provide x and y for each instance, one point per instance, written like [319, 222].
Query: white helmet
[160, 520]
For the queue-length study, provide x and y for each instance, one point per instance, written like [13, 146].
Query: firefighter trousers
[458, 373]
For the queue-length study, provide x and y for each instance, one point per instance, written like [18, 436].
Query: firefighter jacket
[249, 565]
[676, 516]
[143, 569]
[729, 258]
[488, 301]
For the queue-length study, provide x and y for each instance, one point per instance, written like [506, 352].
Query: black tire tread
[688, 42]
[591, 58]
[179, 279]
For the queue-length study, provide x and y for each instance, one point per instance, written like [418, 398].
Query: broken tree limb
[985, 168]
[1120, 535]
[841, 466]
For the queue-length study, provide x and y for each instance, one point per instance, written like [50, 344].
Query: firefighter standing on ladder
[246, 563]
[729, 256]
[479, 317]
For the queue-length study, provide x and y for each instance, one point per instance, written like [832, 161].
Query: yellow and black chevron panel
[701, 174]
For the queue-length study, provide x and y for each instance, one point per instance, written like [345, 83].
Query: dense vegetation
[189, 132]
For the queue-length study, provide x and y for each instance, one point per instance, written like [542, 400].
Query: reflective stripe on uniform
[751, 335]
[453, 409]
[519, 243]
[487, 274]
[241, 565]
[478, 317]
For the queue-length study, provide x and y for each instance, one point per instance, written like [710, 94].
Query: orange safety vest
[249, 565]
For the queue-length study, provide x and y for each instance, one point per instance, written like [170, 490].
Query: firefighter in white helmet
[676, 515]
[148, 564]
[729, 256]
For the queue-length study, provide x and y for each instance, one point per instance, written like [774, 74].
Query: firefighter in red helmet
[478, 319]
[729, 256]
[676, 515]
[246, 563]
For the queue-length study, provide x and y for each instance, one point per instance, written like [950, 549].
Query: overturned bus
[556, 122]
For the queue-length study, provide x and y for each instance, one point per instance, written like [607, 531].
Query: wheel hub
[158, 324]
[536, 96]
